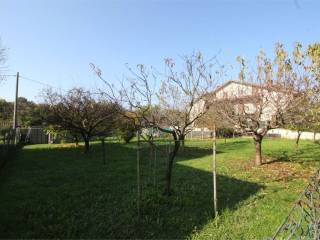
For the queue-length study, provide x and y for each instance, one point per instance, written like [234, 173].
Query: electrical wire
[6, 75]
[40, 82]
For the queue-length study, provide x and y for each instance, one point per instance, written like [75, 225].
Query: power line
[39, 82]
[49, 85]
[4, 78]
[29, 79]
[10, 75]
[42, 83]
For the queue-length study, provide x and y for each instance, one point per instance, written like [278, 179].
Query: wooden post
[138, 176]
[154, 167]
[103, 151]
[214, 175]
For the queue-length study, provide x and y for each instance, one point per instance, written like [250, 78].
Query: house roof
[274, 87]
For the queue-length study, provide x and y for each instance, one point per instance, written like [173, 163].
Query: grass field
[55, 191]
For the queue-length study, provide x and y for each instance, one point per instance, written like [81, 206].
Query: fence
[9, 142]
[152, 160]
[303, 221]
[34, 135]
[5, 124]
[205, 133]
[202, 134]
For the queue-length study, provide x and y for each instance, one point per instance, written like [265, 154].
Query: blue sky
[54, 41]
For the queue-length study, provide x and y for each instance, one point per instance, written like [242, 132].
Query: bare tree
[216, 122]
[168, 105]
[262, 102]
[79, 112]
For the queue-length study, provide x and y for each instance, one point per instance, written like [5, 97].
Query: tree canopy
[81, 113]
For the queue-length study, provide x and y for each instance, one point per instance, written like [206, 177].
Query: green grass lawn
[55, 191]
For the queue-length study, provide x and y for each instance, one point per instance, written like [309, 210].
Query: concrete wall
[279, 132]
[289, 134]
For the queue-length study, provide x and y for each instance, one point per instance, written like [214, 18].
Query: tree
[263, 101]
[313, 53]
[127, 129]
[79, 112]
[6, 110]
[304, 116]
[29, 113]
[213, 120]
[300, 119]
[169, 106]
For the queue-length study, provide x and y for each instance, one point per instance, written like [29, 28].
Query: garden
[56, 191]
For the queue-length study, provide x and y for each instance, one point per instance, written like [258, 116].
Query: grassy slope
[56, 191]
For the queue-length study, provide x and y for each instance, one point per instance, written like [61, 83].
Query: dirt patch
[281, 171]
[284, 171]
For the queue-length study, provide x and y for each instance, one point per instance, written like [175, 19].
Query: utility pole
[15, 110]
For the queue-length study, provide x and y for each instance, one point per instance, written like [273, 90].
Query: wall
[285, 133]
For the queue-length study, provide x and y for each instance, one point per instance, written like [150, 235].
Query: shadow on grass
[192, 151]
[61, 193]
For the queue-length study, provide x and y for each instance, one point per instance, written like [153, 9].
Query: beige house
[272, 99]
[244, 95]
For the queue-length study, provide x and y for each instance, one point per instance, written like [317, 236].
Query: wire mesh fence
[303, 221]
[152, 165]
[152, 161]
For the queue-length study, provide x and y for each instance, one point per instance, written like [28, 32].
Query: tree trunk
[298, 139]
[86, 145]
[182, 140]
[257, 142]
[314, 137]
[171, 158]
[76, 141]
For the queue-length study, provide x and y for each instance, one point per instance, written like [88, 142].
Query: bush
[126, 130]
[224, 132]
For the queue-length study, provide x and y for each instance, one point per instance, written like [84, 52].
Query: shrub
[126, 130]
[224, 132]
